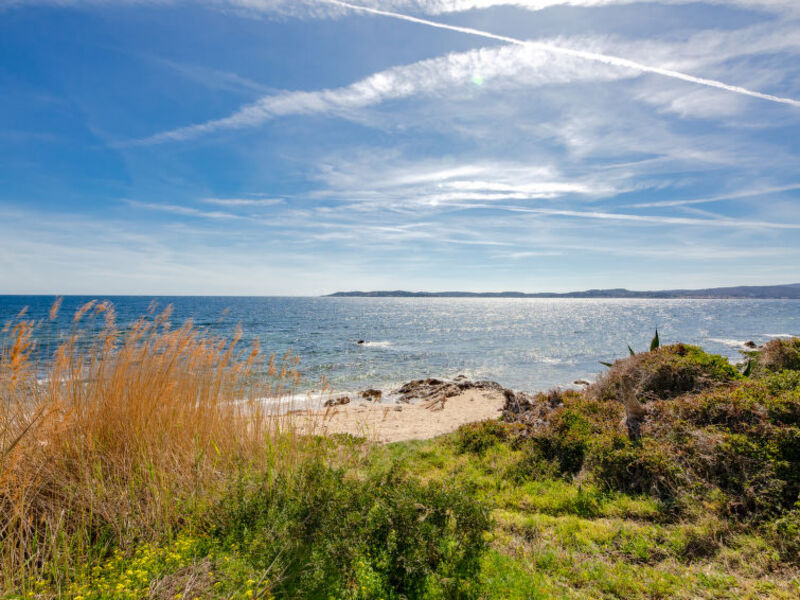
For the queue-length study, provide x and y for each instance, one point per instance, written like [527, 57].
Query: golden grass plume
[125, 434]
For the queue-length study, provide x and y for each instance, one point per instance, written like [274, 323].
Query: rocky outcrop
[436, 389]
[339, 401]
[372, 395]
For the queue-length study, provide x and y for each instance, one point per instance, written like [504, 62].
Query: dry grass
[126, 435]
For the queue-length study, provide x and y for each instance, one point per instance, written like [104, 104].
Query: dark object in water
[360, 342]
[750, 344]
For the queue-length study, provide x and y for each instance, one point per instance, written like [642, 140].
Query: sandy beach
[385, 423]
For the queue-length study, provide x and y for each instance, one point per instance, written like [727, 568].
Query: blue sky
[292, 147]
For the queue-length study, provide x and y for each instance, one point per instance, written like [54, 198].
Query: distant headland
[787, 291]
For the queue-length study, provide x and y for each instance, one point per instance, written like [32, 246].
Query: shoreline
[422, 409]
[401, 422]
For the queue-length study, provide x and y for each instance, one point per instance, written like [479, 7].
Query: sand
[384, 423]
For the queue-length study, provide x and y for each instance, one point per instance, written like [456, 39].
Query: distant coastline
[758, 292]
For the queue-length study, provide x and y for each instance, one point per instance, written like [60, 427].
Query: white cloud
[250, 202]
[588, 55]
[184, 210]
[526, 64]
[324, 8]
[505, 66]
[732, 196]
[658, 220]
[381, 182]
[447, 6]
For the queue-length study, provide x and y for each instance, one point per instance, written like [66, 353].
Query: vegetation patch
[777, 355]
[321, 534]
[664, 373]
[142, 468]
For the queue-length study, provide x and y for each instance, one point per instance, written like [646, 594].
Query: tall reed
[125, 435]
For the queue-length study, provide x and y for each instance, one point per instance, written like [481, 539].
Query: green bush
[776, 356]
[785, 534]
[665, 373]
[566, 440]
[637, 468]
[479, 437]
[782, 381]
[742, 442]
[531, 465]
[320, 534]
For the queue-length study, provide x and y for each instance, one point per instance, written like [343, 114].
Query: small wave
[548, 360]
[311, 400]
[779, 335]
[728, 342]
[375, 344]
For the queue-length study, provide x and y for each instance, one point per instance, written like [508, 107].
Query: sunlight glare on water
[530, 344]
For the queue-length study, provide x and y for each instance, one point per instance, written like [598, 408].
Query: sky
[293, 147]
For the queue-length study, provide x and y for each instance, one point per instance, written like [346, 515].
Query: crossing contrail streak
[593, 56]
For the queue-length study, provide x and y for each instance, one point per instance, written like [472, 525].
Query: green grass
[555, 538]
[546, 538]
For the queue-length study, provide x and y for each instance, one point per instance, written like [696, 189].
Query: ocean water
[527, 344]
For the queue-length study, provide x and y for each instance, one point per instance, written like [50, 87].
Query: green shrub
[665, 373]
[785, 535]
[742, 442]
[775, 356]
[637, 468]
[531, 465]
[320, 534]
[783, 381]
[565, 441]
[479, 437]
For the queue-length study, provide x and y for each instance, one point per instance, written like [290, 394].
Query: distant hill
[788, 291]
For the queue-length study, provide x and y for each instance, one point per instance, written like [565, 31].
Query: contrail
[593, 56]
[736, 196]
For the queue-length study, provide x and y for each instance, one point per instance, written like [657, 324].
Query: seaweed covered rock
[776, 356]
[664, 373]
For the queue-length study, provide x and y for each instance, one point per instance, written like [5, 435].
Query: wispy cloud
[521, 64]
[656, 220]
[184, 210]
[233, 202]
[518, 66]
[514, 161]
[606, 59]
[380, 182]
[321, 8]
[215, 78]
[532, 253]
[734, 196]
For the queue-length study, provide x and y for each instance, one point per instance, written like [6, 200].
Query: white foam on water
[383, 344]
[728, 342]
[550, 360]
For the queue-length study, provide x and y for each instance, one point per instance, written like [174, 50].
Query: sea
[525, 344]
